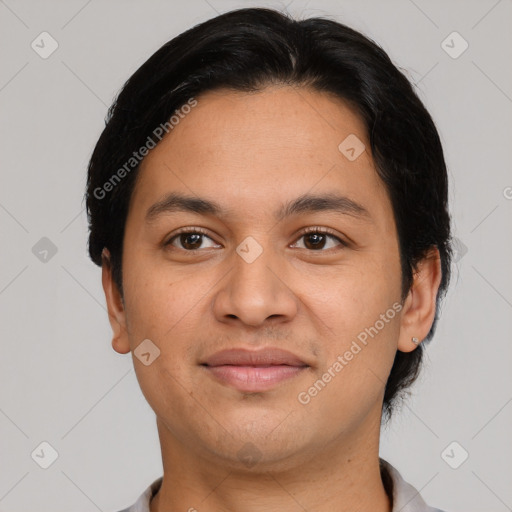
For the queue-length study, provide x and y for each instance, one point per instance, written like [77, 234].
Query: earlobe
[115, 306]
[420, 306]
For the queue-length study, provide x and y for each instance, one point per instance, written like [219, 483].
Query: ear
[115, 306]
[420, 305]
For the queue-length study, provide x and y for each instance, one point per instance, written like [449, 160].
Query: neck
[340, 477]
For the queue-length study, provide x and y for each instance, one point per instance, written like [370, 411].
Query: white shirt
[405, 497]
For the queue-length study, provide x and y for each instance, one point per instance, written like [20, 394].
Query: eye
[190, 239]
[316, 238]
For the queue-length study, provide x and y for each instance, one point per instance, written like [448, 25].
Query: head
[251, 111]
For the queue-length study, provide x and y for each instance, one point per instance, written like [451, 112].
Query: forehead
[305, 120]
[248, 148]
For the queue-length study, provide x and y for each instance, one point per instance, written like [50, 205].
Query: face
[249, 276]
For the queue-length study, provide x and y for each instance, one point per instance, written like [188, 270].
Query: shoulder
[142, 503]
[405, 497]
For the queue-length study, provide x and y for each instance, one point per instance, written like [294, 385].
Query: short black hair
[247, 50]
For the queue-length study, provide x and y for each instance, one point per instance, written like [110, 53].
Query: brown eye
[316, 239]
[190, 240]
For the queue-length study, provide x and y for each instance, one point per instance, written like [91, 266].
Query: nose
[256, 288]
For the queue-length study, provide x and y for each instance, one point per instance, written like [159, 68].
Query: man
[268, 202]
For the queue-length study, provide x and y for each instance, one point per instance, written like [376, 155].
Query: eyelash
[200, 231]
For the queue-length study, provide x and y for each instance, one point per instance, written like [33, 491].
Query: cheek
[155, 302]
[358, 308]
[351, 297]
[162, 310]
[357, 354]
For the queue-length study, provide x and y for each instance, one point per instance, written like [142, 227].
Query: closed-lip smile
[253, 370]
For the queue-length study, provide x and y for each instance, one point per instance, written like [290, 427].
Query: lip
[262, 357]
[253, 371]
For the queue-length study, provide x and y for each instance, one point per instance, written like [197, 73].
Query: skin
[252, 153]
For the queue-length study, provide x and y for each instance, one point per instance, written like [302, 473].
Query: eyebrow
[307, 203]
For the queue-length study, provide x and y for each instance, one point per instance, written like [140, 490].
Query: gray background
[61, 381]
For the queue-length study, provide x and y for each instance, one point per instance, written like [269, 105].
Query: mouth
[253, 371]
